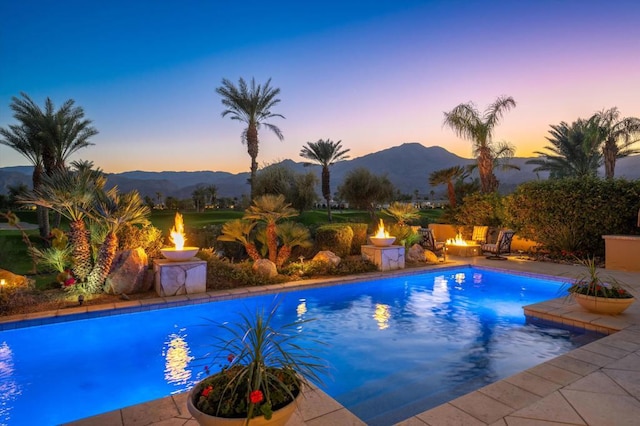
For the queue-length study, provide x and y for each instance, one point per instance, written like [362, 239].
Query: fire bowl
[382, 242]
[174, 255]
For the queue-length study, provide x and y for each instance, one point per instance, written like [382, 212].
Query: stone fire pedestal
[385, 258]
[174, 278]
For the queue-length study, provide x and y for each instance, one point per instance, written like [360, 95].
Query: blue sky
[372, 74]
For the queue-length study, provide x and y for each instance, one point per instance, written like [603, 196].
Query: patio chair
[502, 245]
[480, 234]
[429, 240]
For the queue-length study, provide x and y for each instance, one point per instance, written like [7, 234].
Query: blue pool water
[397, 346]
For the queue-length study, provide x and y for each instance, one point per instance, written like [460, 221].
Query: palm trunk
[609, 153]
[81, 249]
[326, 189]
[99, 273]
[451, 192]
[272, 241]
[252, 251]
[252, 149]
[283, 255]
[488, 181]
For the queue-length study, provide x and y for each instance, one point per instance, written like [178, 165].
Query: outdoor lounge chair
[429, 240]
[502, 245]
[479, 235]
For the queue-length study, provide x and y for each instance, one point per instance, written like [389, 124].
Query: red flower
[230, 358]
[69, 281]
[206, 391]
[256, 396]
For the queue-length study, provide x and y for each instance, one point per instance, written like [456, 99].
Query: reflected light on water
[459, 278]
[177, 358]
[382, 315]
[9, 389]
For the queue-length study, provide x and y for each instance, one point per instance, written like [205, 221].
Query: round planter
[279, 418]
[602, 305]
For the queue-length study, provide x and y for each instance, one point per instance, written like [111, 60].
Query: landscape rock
[416, 253]
[430, 257]
[14, 281]
[265, 267]
[327, 256]
[128, 273]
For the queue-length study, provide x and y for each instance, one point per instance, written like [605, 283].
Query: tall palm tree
[114, 210]
[619, 134]
[574, 150]
[72, 195]
[325, 153]
[252, 106]
[467, 122]
[448, 177]
[270, 209]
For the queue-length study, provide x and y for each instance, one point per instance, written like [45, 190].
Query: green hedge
[336, 238]
[572, 215]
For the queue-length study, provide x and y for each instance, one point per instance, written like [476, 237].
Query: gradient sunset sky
[374, 74]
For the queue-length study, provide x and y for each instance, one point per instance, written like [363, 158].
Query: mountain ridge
[407, 166]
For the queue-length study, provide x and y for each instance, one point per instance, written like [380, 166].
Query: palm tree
[574, 150]
[292, 235]
[270, 209]
[467, 122]
[114, 210]
[325, 153]
[402, 212]
[72, 195]
[252, 106]
[619, 134]
[238, 231]
[447, 177]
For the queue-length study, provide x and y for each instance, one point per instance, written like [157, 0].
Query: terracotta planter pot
[279, 418]
[602, 305]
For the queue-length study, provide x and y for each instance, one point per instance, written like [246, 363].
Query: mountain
[407, 166]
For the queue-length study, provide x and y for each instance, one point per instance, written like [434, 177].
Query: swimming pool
[397, 346]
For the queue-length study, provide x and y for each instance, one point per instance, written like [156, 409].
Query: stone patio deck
[596, 384]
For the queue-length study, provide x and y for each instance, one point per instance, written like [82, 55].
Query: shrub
[360, 231]
[314, 268]
[573, 214]
[480, 209]
[336, 238]
[223, 274]
[148, 237]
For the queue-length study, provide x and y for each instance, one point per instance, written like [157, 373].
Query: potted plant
[265, 370]
[595, 295]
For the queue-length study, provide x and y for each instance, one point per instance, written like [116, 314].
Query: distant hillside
[408, 166]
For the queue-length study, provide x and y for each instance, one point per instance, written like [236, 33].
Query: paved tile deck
[597, 384]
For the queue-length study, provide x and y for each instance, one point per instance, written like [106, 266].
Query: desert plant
[266, 368]
[335, 237]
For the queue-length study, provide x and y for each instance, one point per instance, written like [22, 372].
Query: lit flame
[457, 241]
[177, 233]
[381, 232]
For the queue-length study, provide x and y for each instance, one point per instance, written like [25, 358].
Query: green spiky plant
[113, 210]
[266, 368]
[591, 283]
[239, 231]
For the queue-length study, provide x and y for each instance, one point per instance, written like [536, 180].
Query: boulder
[12, 281]
[430, 257]
[265, 267]
[327, 256]
[128, 272]
[416, 253]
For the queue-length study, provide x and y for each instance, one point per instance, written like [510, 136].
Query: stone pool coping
[598, 383]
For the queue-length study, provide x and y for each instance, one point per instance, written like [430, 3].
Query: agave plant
[114, 210]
